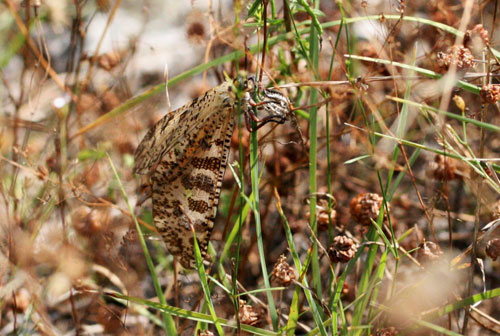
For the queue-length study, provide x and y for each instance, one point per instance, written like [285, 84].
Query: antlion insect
[185, 155]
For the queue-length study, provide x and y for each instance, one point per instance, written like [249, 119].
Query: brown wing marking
[189, 196]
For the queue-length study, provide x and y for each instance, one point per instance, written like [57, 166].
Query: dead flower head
[366, 207]
[490, 93]
[476, 38]
[493, 248]
[390, 331]
[283, 273]
[428, 252]
[248, 314]
[342, 250]
[460, 56]
[323, 215]
[442, 168]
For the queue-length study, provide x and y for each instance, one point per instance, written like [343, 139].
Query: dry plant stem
[106, 203]
[407, 163]
[14, 311]
[448, 84]
[212, 24]
[494, 324]
[46, 66]
[101, 39]
[263, 304]
[77, 43]
[444, 195]
[264, 3]
[75, 27]
[243, 261]
[74, 313]
[421, 201]
[175, 266]
[167, 96]
[477, 220]
[234, 197]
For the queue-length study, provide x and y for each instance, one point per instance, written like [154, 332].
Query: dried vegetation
[378, 200]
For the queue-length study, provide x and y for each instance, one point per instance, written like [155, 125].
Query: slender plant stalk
[168, 321]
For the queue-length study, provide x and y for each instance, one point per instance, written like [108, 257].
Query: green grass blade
[204, 284]
[191, 315]
[169, 325]
[486, 126]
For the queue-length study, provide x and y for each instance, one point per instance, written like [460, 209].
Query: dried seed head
[493, 248]
[367, 49]
[282, 273]
[87, 102]
[196, 31]
[342, 250]
[109, 101]
[109, 60]
[88, 222]
[79, 218]
[365, 207]
[390, 331]
[323, 215]
[442, 168]
[196, 28]
[42, 173]
[428, 252]
[205, 333]
[103, 5]
[458, 55]
[248, 315]
[490, 93]
[478, 32]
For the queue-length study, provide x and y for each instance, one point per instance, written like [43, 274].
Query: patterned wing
[179, 129]
[189, 196]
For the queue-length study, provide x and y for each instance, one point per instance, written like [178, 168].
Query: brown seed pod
[443, 168]
[283, 273]
[490, 93]
[390, 331]
[88, 222]
[366, 207]
[109, 60]
[323, 215]
[196, 31]
[342, 250]
[458, 55]
[493, 248]
[428, 252]
[477, 32]
[248, 315]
